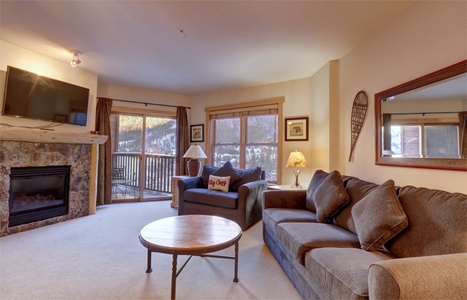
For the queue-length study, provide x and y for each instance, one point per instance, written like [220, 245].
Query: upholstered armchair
[241, 203]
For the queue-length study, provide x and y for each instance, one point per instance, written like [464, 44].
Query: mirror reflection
[423, 123]
[426, 122]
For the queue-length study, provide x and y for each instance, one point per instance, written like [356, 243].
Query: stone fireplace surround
[54, 149]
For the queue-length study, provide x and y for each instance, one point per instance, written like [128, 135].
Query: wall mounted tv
[31, 96]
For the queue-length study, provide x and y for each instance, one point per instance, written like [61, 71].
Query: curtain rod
[423, 113]
[146, 103]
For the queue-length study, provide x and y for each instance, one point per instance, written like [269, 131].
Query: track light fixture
[75, 59]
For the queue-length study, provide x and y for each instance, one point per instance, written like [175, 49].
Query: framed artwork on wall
[296, 129]
[197, 133]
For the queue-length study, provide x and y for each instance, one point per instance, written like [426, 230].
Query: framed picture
[197, 133]
[296, 129]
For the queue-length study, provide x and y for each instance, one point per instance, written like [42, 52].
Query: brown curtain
[104, 167]
[182, 141]
[463, 133]
[387, 131]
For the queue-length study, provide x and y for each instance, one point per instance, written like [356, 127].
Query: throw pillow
[227, 170]
[330, 196]
[246, 175]
[316, 180]
[207, 171]
[219, 183]
[379, 217]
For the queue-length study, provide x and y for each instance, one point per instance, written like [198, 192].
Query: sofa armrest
[252, 187]
[427, 277]
[185, 184]
[189, 183]
[284, 199]
[250, 202]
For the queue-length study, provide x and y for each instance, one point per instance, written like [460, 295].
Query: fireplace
[38, 193]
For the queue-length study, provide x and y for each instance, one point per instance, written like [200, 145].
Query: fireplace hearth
[38, 193]
[16, 154]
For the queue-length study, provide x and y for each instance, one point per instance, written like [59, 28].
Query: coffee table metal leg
[174, 276]
[149, 268]
[236, 263]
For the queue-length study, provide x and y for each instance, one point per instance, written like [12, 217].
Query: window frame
[423, 139]
[244, 107]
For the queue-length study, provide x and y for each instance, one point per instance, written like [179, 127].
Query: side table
[175, 189]
[284, 187]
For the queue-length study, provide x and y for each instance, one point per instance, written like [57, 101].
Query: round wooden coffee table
[190, 235]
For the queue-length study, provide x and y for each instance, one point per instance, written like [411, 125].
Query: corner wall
[428, 36]
[303, 97]
[31, 61]
[142, 95]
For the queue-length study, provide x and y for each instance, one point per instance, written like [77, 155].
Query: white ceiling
[224, 44]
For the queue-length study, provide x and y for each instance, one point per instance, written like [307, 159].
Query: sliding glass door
[143, 157]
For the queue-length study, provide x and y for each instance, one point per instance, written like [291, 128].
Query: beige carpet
[100, 257]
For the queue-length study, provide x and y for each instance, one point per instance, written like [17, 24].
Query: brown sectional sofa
[415, 239]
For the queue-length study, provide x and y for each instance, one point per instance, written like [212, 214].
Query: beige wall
[142, 95]
[31, 61]
[427, 37]
[303, 97]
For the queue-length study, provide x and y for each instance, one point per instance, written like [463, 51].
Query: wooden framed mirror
[423, 123]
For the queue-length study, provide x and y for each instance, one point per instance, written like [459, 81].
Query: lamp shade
[296, 160]
[195, 152]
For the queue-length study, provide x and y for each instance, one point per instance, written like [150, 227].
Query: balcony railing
[158, 171]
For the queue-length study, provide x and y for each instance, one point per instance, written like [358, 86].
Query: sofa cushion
[227, 170]
[246, 175]
[379, 217]
[218, 183]
[210, 197]
[274, 216]
[437, 223]
[343, 272]
[316, 180]
[207, 171]
[300, 237]
[330, 196]
[357, 189]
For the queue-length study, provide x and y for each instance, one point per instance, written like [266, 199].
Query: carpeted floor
[100, 257]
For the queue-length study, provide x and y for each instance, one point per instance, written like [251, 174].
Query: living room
[424, 37]
[326, 96]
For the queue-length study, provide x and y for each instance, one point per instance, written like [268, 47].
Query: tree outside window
[247, 141]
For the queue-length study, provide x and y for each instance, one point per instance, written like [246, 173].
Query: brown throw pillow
[316, 180]
[330, 196]
[379, 217]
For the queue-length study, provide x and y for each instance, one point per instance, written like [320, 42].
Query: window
[143, 155]
[247, 137]
[435, 141]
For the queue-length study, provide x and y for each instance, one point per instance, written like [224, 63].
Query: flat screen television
[28, 95]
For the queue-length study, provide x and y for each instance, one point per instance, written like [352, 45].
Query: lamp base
[297, 184]
[193, 167]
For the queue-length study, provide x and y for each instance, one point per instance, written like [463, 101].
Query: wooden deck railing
[158, 172]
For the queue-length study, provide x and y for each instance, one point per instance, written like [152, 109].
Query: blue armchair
[242, 203]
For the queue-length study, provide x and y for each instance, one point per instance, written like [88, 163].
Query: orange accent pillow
[219, 183]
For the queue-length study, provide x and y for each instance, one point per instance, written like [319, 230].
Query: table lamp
[296, 160]
[194, 153]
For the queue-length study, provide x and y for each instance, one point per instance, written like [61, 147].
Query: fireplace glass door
[38, 193]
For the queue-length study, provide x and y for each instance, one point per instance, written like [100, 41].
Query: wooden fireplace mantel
[33, 135]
